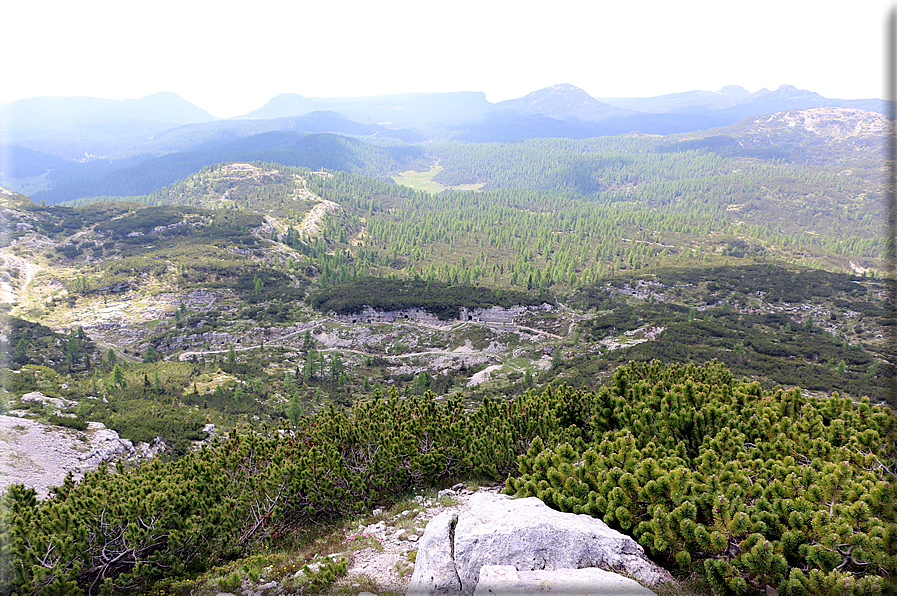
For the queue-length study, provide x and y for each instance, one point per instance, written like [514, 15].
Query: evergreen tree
[295, 410]
[151, 355]
[118, 376]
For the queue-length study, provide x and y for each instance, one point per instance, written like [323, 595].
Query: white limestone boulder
[434, 567]
[505, 580]
[526, 535]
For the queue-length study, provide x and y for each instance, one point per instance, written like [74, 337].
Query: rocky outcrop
[498, 315]
[528, 536]
[40, 455]
[369, 315]
[493, 314]
[56, 402]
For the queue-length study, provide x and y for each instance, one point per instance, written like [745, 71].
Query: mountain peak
[734, 90]
[166, 105]
[563, 102]
[565, 90]
[564, 87]
[285, 105]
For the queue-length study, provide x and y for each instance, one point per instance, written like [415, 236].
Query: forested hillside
[639, 307]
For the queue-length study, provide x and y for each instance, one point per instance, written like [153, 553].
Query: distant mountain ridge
[734, 101]
[43, 114]
[96, 137]
[405, 108]
[85, 127]
[79, 127]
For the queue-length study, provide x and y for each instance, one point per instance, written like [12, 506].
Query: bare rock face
[526, 535]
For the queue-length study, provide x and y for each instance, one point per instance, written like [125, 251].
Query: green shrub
[75, 423]
[230, 583]
[713, 474]
[750, 488]
[325, 575]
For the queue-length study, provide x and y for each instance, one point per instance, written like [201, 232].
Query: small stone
[377, 511]
[412, 538]
[458, 486]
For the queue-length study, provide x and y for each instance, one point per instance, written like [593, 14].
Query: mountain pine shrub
[753, 488]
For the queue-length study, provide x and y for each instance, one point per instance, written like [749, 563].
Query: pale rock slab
[526, 535]
[505, 580]
[434, 572]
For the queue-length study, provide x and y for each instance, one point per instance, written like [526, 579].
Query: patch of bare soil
[482, 376]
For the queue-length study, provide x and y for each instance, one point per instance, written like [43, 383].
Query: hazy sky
[231, 57]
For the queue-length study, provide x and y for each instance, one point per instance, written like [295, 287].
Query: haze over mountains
[54, 143]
